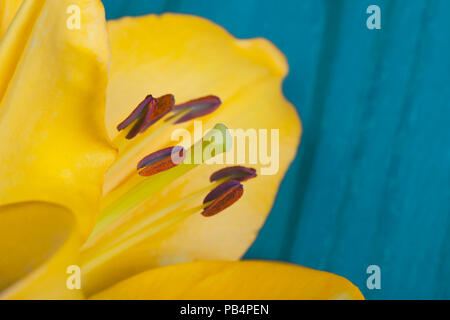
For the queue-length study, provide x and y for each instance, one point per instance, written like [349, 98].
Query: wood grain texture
[371, 183]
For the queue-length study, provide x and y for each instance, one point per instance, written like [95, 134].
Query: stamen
[197, 108]
[137, 113]
[147, 113]
[222, 197]
[238, 173]
[224, 194]
[161, 160]
[131, 196]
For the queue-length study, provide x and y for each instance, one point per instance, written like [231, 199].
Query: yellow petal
[37, 245]
[54, 147]
[13, 42]
[192, 57]
[233, 280]
[53, 142]
[8, 9]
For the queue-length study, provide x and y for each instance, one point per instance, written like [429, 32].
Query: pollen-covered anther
[161, 160]
[197, 108]
[238, 173]
[222, 197]
[147, 113]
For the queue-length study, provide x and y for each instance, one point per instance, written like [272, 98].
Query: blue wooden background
[371, 183]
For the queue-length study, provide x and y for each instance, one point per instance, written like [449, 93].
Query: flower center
[156, 171]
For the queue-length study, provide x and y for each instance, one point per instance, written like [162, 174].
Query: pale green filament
[150, 218]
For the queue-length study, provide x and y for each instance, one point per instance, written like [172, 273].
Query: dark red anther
[238, 173]
[197, 108]
[164, 106]
[161, 160]
[147, 113]
[145, 107]
[222, 197]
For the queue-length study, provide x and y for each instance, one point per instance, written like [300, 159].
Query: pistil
[158, 170]
[132, 196]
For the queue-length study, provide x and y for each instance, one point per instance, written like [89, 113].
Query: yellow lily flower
[70, 194]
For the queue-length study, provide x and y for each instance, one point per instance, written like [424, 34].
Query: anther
[238, 173]
[222, 197]
[147, 113]
[161, 160]
[197, 108]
